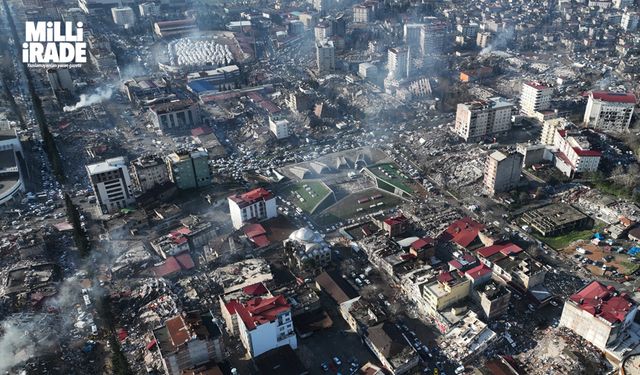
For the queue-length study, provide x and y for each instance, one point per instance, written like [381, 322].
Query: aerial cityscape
[291, 187]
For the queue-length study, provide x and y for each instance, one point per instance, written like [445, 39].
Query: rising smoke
[24, 336]
[501, 39]
[30, 335]
[99, 96]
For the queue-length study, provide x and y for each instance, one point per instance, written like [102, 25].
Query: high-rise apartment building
[478, 119]
[609, 110]
[502, 172]
[398, 63]
[534, 97]
[325, 56]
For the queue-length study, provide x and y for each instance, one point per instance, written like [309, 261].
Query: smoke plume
[501, 39]
[99, 96]
[24, 336]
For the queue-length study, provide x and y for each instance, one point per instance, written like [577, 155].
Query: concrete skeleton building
[535, 97]
[502, 172]
[255, 205]
[478, 119]
[556, 219]
[111, 184]
[609, 110]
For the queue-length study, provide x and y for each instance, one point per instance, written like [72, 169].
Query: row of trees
[119, 364]
[79, 236]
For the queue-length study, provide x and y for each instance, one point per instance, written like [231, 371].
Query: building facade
[572, 152]
[264, 324]
[148, 172]
[111, 184]
[502, 172]
[476, 120]
[279, 127]
[325, 56]
[398, 63]
[600, 314]
[258, 204]
[535, 97]
[175, 116]
[189, 169]
[123, 16]
[609, 110]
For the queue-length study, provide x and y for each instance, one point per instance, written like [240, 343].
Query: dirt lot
[596, 253]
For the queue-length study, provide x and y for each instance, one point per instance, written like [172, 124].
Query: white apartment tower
[398, 63]
[479, 119]
[258, 204]
[264, 324]
[609, 110]
[279, 127]
[325, 56]
[111, 184]
[629, 21]
[535, 97]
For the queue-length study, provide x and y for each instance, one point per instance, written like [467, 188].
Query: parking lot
[335, 342]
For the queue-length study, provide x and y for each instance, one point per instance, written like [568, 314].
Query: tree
[79, 236]
[119, 363]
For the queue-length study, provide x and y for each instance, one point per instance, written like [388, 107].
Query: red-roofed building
[464, 233]
[188, 340]
[510, 263]
[609, 110]
[600, 314]
[572, 151]
[173, 265]
[505, 249]
[263, 323]
[479, 274]
[257, 234]
[396, 225]
[423, 248]
[255, 205]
